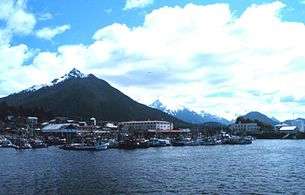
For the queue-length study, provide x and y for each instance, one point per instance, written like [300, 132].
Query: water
[266, 166]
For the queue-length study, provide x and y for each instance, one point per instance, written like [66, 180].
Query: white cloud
[203, 57]
[45, 16]
[132, 4]
[49, 33]
[18, 20]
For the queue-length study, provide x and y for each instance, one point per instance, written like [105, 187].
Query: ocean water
[264, 167]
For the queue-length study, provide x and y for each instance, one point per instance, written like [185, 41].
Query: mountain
[190, 116]
[84, 96]
[261, 117]
[295, 121]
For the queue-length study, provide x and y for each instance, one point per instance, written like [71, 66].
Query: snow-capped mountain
[188, 115]
[78, 96]
[74, 73]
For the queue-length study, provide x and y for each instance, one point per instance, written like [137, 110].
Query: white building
[289, 129]
[245, 127]
[147, 125]
[61, 128]
[279, 126]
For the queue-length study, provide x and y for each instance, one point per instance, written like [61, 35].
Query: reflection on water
[266, 166]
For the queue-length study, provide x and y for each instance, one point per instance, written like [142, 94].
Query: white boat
[6, 143]
[155, 142]
[98, 145]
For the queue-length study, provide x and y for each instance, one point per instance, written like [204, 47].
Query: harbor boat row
[21, 143]
[97, 144]
[70, 134]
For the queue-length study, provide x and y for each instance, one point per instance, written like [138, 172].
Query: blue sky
[222, 57]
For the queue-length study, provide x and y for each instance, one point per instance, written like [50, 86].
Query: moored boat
[155, 142]
[96, 146]
[37, 143]
[237, 140]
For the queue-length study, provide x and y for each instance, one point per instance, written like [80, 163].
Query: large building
[289, 129]
[146, 125]
[244, 127]
[60, 128]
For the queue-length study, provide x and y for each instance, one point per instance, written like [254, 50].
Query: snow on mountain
[188, 115]
[74, 73]
[35, 88]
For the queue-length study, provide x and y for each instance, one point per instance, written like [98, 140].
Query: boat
[211, 142]
[237, 140]
[96, 146]
[143, 143]
[128, 144]
[37, 143]
[113, 143]
[21, 143]
[155, 142]
[183, 142]
[6, 143]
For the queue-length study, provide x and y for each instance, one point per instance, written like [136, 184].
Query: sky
[222, 57]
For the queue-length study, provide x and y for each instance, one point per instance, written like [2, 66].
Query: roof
[288, 128]
[141, 122]
[281, 125]
[170, 131]
[32, 117]
[58, 128]
[111, 125]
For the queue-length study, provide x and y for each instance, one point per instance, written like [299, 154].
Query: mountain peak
[158, 105]
[75, 73]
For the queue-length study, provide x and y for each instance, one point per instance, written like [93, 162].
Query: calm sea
[265, 167]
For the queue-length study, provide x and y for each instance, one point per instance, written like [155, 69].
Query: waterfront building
[244, 128]
[60, 128]
[146, 125]
[279, 126]
[289, 129]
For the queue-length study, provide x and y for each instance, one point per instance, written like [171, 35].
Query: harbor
[68, 134]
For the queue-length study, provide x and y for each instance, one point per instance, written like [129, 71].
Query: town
[68, 134]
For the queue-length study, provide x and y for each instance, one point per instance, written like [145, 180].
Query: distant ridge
[190, 116]
[261, 117]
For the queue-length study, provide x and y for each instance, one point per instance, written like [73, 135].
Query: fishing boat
[183, 142]
[22, 143]
[96, 146]
[128, 144]
[143, 143]
[6, 143]
[37, 143]
[237, 140]
[211, 142]
[155, 142]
